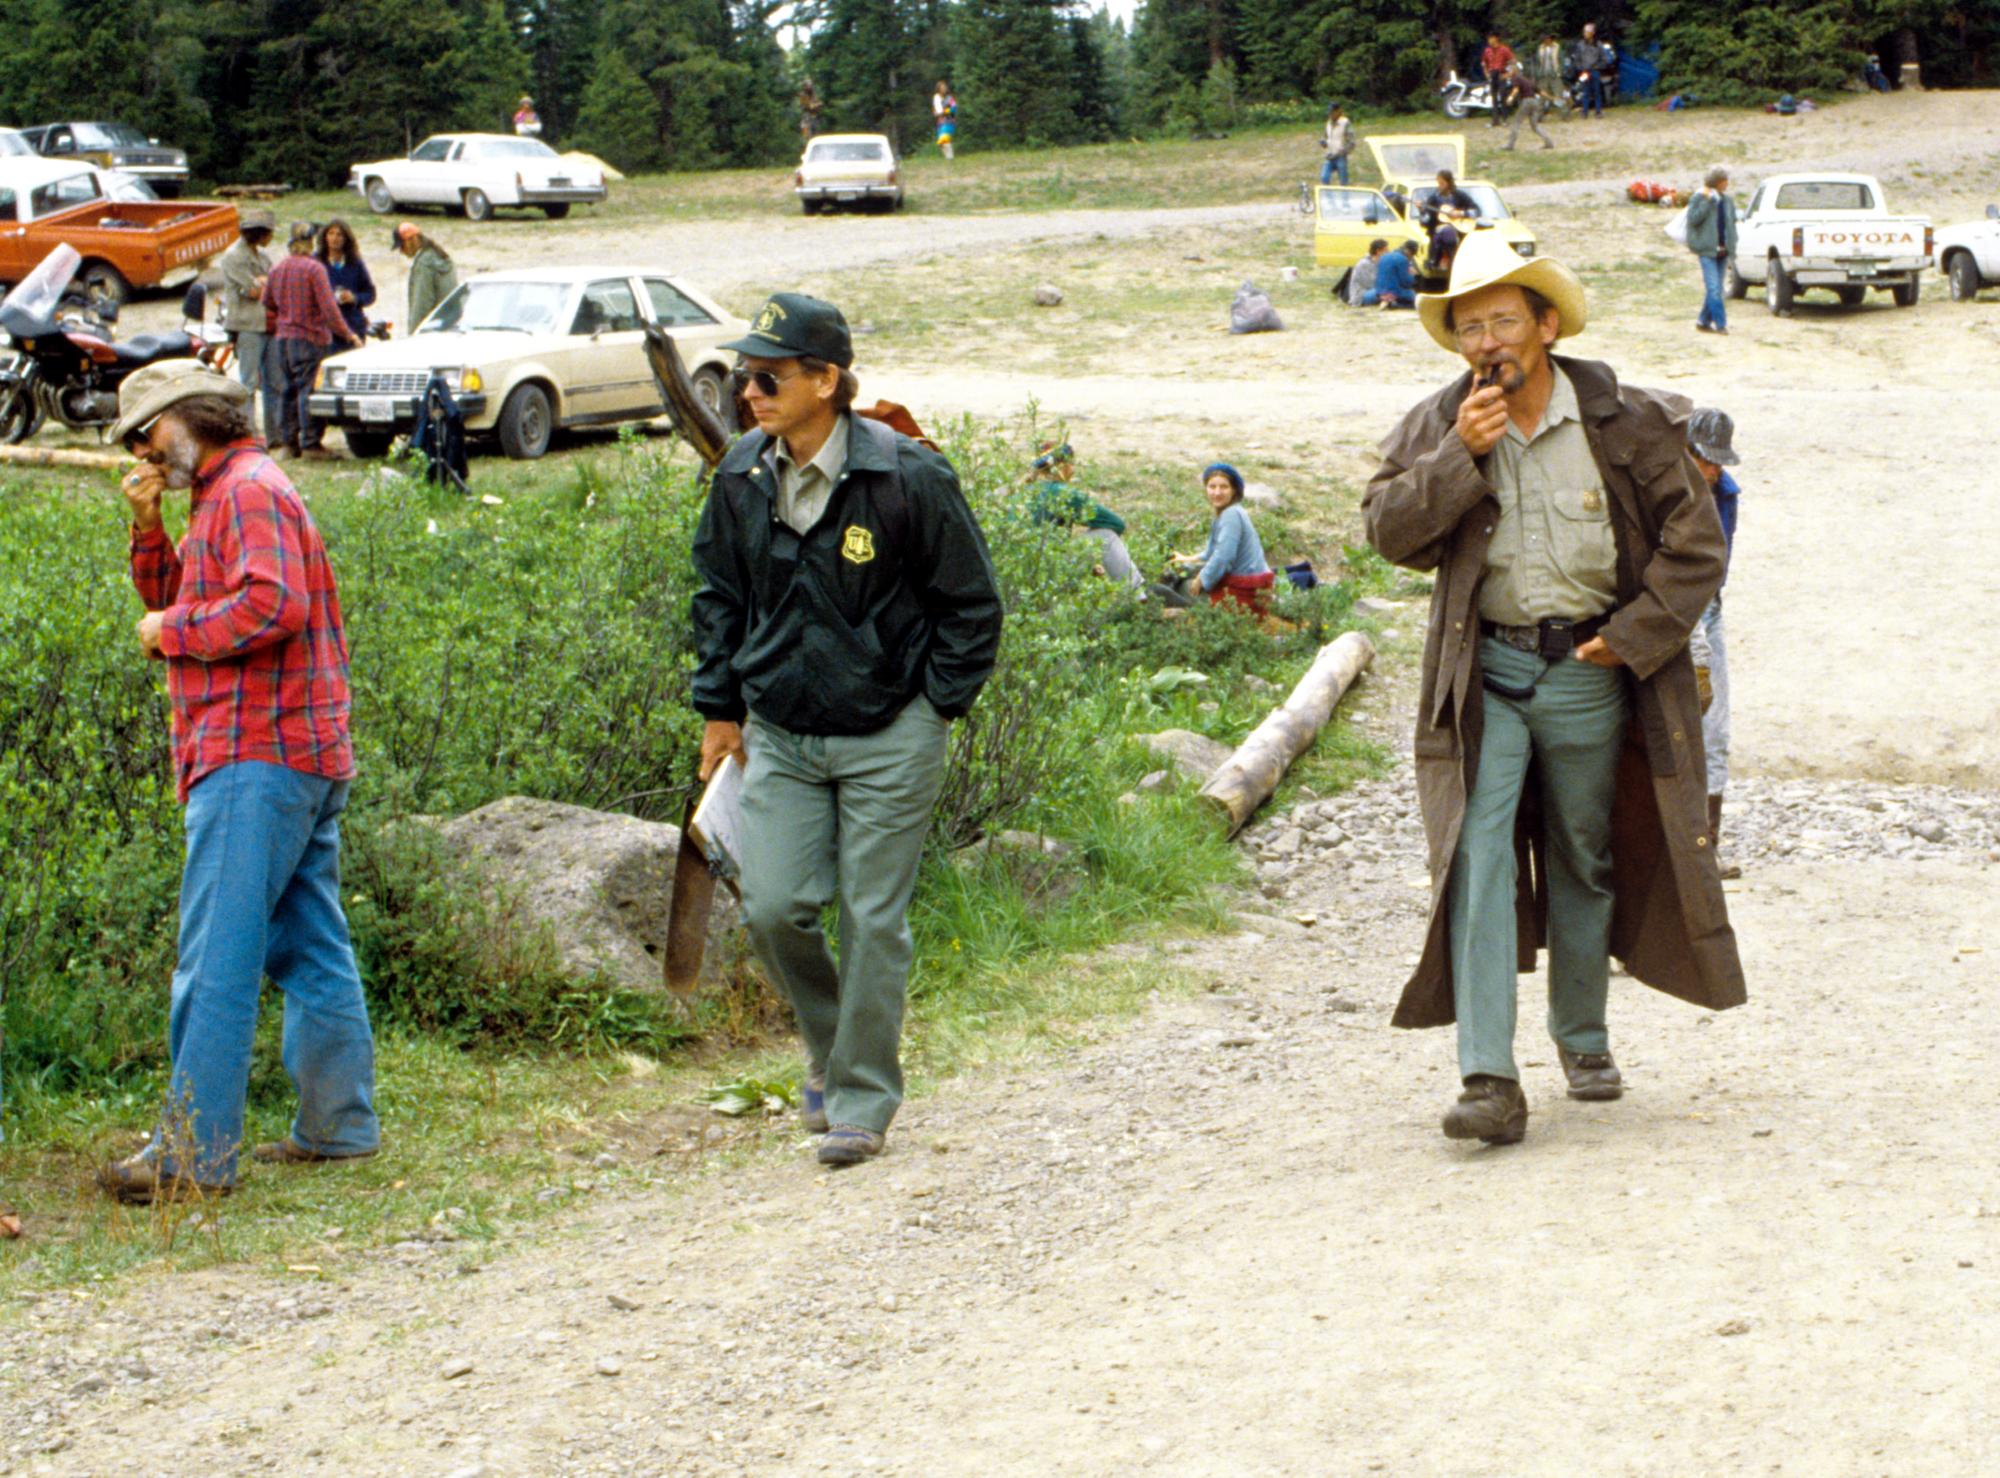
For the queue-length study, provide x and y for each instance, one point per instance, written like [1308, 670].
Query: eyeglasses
[1508, 328]
[766, 382]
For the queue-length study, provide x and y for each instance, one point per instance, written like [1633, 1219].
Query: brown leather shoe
[1593, 1076]
[288, 1152]
[138, 1182]
[1492, 1109]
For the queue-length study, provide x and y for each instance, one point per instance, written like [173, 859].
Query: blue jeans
[1715, 723]
[1713, 314]
[261, 896]
[1333, 167]
[1593, 95]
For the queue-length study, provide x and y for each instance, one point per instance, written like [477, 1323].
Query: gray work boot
[1593, 1076]
[1492, 1109]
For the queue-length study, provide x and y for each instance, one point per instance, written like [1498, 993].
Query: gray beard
[179, 464]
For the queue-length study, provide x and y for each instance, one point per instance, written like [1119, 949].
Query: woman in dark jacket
[353, 288]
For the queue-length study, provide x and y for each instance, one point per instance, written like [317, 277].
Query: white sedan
[479, 173]
[529, 351]
[848, 169]
[1969, 255]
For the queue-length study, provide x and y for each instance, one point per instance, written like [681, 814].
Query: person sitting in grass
[1232, 565]
[1361, 276]
[1396, 277]
[1057, 500]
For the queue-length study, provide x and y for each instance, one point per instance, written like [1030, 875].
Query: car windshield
[11, 143]
[848, 153]
[108, 136]
[509, 149]
[531, 307]
[1826, 195]
[1487, 199]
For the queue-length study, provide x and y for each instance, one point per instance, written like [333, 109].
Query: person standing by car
[944, 113]
[1711, 236]
[1339, 143]
[245, 617]
[846, 612]
[245, 266]
[353, 288]
[432, 275]
[1574, 550]
[308, 321]
[527, 122]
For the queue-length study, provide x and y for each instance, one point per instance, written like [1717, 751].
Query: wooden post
[47, 456]
[1248, 776]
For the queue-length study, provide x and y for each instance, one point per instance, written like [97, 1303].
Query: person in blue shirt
[353, 288]
[1710, 434]
[1231, 566]
[1396, 277]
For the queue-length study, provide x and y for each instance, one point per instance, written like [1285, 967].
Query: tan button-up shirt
[803, 491]
[1552, 553]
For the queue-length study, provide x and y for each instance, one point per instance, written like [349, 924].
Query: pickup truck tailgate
[148, 241]
[1876, 237]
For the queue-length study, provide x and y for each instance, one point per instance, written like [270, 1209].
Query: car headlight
[332, 376]
[1525, 248]
[459, 378]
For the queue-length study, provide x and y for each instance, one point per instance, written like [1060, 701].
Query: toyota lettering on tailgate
[1869, 238]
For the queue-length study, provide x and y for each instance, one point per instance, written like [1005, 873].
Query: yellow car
[1347, 217]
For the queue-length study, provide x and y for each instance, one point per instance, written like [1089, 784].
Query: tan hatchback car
[527, 352]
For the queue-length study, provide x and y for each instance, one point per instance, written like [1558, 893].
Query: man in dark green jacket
[847, 613]
[1711, 236]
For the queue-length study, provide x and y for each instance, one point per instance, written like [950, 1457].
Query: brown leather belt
[1529, 638]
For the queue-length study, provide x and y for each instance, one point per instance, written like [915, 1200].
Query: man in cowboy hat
[847, 613]
[1574, 547]
[245, 617]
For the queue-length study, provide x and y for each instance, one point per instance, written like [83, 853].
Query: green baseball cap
[794, 326]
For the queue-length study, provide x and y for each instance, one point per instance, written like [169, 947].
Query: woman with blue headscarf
[1232, 566]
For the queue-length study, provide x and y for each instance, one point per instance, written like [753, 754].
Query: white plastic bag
[1677, 228]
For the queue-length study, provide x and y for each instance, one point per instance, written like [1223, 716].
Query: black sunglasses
[766, 382]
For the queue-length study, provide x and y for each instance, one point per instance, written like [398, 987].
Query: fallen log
[50, 456]
[1248, 776]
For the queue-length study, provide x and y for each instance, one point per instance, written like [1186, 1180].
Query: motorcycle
[1462, 99]
[67, 363]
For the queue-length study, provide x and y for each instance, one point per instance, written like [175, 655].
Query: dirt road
[1229, 1239]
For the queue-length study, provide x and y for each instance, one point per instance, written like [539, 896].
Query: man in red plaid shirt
[245, 616]
[306, 320]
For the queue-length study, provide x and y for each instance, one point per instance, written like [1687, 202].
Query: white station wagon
[848, 169]
[479, 173]
[529, 351]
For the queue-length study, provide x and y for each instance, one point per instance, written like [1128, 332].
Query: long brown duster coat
[1430, 507]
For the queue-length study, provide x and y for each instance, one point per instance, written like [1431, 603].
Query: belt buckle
[1522, 638]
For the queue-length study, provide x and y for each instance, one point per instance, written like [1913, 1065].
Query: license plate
[377, 408]
[847, 195]
[1863, 269]
[558, 183]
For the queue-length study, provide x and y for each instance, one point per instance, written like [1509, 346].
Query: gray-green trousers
[841, 817]
[1572, 728]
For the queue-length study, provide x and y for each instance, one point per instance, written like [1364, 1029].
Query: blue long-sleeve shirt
[1725, 509]
[1233, 548]
[1396, 274]
[352, 274]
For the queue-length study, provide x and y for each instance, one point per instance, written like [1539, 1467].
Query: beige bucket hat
[1485, 260]
[156, 387]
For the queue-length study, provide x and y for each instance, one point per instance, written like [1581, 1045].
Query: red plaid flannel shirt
[256, 654]
[299, 297]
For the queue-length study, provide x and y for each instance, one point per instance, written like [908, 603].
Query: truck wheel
[104, 283]
[1905, 293]
[557, 211]
[526, 423]
[379, 199]
[1777, 290]
[368, 445]
[477, 206]
[20, 412]
[1732, 280]
[710, 390]
[1964, 275]
[1853, 297]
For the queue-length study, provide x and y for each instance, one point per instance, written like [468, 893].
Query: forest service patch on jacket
[858, 547]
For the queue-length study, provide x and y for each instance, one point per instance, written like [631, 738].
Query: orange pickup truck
[124, 244]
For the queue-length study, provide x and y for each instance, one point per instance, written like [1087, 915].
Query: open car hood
[1408, 157]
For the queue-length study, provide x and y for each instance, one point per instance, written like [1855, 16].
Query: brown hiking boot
[1593, 1076]
[1492, 1109]
[288, 1152]
[1728, 867]
[137, 1182]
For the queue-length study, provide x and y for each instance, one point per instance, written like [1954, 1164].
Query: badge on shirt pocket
[858, 546]
[1593, 501]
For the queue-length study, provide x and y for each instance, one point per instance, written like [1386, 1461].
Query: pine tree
[859, 62]
[1013, 79]
[618, 118]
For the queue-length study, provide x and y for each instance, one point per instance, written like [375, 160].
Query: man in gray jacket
[245, 266]
[1711, 236]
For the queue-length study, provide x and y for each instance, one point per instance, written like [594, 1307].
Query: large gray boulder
[599, 880]
[1196, 756]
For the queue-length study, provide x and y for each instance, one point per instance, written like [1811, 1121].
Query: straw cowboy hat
[1485, 260]
[155, 388]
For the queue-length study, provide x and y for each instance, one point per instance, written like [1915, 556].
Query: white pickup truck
[1831, 231]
